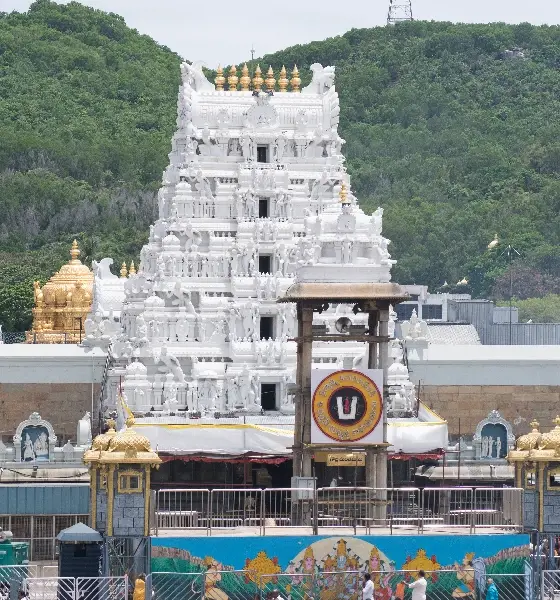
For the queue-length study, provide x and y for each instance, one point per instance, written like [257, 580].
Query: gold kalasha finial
[343, 194]
[535, 425]
[270, 81]
[233, 79]
[219, 80]
[257, 79]
[124, 272]
[557, 421]
[75, 251]
[295, 81]
[245, 80]
[283, 81]
[111, 424]
[132, 270]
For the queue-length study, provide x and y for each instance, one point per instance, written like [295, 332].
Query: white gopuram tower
[253, 168]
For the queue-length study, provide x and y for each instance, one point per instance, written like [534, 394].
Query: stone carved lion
[322, 81]
[193, 76]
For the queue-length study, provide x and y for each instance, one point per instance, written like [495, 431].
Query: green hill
[453, 138]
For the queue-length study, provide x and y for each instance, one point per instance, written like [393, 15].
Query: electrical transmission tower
[399, 10]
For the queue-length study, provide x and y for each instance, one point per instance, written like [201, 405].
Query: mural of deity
[34, 443]
[465, 576]
[212, 579]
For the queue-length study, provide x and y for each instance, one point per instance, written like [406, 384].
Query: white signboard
[347, 407]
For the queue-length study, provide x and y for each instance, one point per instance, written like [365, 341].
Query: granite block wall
[128, 515]
[469, 404]
[62, 404]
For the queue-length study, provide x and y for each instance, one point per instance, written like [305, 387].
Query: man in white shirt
[419, 587]
[367, 592]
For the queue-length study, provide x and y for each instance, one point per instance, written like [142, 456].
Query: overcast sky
[223, 31]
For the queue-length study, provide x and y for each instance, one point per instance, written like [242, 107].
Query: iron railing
[240, 585]
[39, 531]
[357, 508]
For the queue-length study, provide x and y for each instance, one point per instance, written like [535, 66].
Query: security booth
[80, 552]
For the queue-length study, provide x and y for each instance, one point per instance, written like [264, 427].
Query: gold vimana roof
[63, 303]
[126, 446]
[246, 83]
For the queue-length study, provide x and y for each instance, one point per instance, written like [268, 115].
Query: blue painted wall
[44, 499]
[396, 551]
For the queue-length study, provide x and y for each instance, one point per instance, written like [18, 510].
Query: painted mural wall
[322, 568]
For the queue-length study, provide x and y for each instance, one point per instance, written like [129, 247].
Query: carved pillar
[93, 497]
[147, 498]
[540, 479]
[110, 498]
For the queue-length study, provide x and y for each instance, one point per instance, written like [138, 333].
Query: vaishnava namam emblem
[347, 406]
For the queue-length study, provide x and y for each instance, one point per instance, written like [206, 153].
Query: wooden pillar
[372, 346]
[298, 421]
[306, 361]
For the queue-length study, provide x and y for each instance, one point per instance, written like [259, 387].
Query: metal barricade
[102, 588]
[447, 507]
[230, 508]
[287, 507]
[51, 588]
[175, 586]
[183, 509]
[338, 584]
[290, 585]
[13, 577]
[497, 507]
[403, 509]
[550, 585]
[349, 507]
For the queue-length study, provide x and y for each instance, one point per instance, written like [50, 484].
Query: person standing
[419, 586]
[367, 592]
[492, 590]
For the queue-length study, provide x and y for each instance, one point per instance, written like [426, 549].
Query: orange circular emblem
[347, 406]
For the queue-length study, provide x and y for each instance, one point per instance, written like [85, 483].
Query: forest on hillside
[453, 134]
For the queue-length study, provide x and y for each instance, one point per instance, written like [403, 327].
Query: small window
[130, 482]
[262, 154]
[404, 311]
[267, 328]
[263, 208]
[102, 481]
[554, 479]
[268, 396]
[530, 479]
[80, 551]
[432, 311]
[265, 264]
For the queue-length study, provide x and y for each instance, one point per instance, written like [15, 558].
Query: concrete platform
[330, 531]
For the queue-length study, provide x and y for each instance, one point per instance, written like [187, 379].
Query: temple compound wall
[56, 380]
[463, 406]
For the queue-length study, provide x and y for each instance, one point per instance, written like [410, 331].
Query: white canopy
[416, 436]
[226, 440]
[274, 436]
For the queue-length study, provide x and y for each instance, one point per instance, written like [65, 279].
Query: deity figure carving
[169, 361]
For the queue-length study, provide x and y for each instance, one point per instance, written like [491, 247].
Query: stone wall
[62, 404]
[470, 404]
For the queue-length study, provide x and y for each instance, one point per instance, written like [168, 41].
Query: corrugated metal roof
[453, 334]
[41, 499]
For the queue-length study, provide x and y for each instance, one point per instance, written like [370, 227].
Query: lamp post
[510, 252]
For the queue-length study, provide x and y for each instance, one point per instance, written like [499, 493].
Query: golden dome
[531, 440]
[129, 441]
[101, 441]
[551, 440]
[63, 303]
